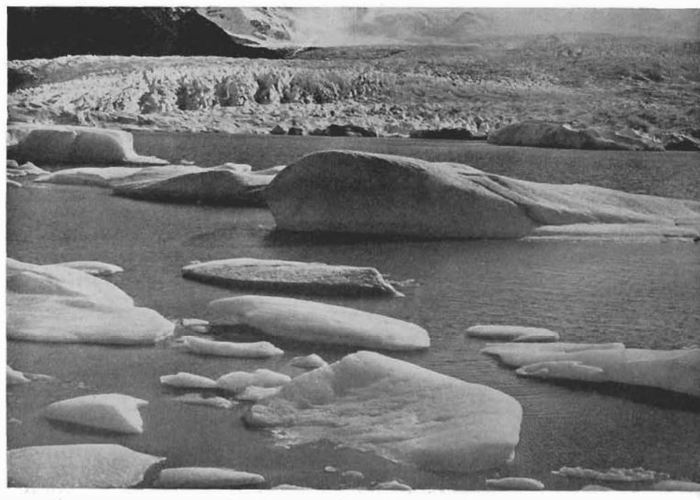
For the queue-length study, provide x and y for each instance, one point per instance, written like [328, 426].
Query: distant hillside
[47, 32]
[442, 26]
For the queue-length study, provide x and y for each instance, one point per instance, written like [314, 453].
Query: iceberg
[213, 186]
[53, 303]
[77, 466]
[237, 382]
[208, 347]
[188, 381]
[317, 322]
[365, 193]
[206, 477]
[111, 412]
[61, 144]
[672, 370]
[514, 483]
[292, 277]
[512, 333]
[93, 267]
[400, 411]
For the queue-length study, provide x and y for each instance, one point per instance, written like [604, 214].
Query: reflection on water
[642, 294]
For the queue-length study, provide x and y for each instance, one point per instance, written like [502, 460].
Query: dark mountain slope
[46, 32]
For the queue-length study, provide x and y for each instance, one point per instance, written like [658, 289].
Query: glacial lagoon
[644, 294]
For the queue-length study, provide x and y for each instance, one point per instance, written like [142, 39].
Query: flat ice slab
[111, 412]
[317, 322]
[673, 370]
[206, 477]
[398, 410]
[512, 333]
[289, 276]
[208, 347]
[77, 466]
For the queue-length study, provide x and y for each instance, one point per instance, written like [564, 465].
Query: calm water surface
[642, 294]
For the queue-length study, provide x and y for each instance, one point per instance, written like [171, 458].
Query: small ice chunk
[392, 485]
[14, 377]
[206, 477]
[237, 381]
[256, 393]
[261, 349]
[112, 412]
[513, 333]
[672, 485]
[77, 466]
[637, 474]
[285, 486]
[330, 468]
[188, 380]
[596, 487]
[10, 183]
[242, 168]
[514, 483]
[354, 475]
[196, 325]
[93, 267]
[198, 399]
[310, 362]
[572, 370]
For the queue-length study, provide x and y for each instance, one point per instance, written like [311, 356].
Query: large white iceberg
[206, 477]
[317, 322]
[355, 192]
[291, 276]
[112, 412]
[54, 303]
[62, 144]
[77, 466]
[672, 370]
[398, 410]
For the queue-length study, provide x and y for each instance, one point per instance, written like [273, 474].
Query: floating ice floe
[637, 474]
[310, 362]
[366, 193]
[398, 410]
[256, 393]
[77, 466]
[512, 333]
[199, 400]
[112, 412]
[392, 485]
[93, 267]
[285, 486]
[14, 377]
[672, 370]
[237, 382]
[13, 184]
[317, 322]
[289, 276]
[62, 144]
[206, 477]
[514, 483]
[353, 475]
[53, 303]
[212, 186]
[188, 381]
[261, 349]
[196, 325]
[673, 485]
[107, 177]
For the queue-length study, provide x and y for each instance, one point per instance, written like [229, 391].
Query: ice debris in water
[514, 483]
[392, 485]
[354, 475]
[318, 322]
[310, 362]
[199, 400]
[673, 370]
[206, 477]
[188, 380]
[256, 393]
[637, 474]
[77, 466]
[261, 349]
[236, 382]
[112, 412]
[512, 333]
[399, 410]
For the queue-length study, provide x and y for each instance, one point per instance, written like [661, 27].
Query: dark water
[642, 294]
